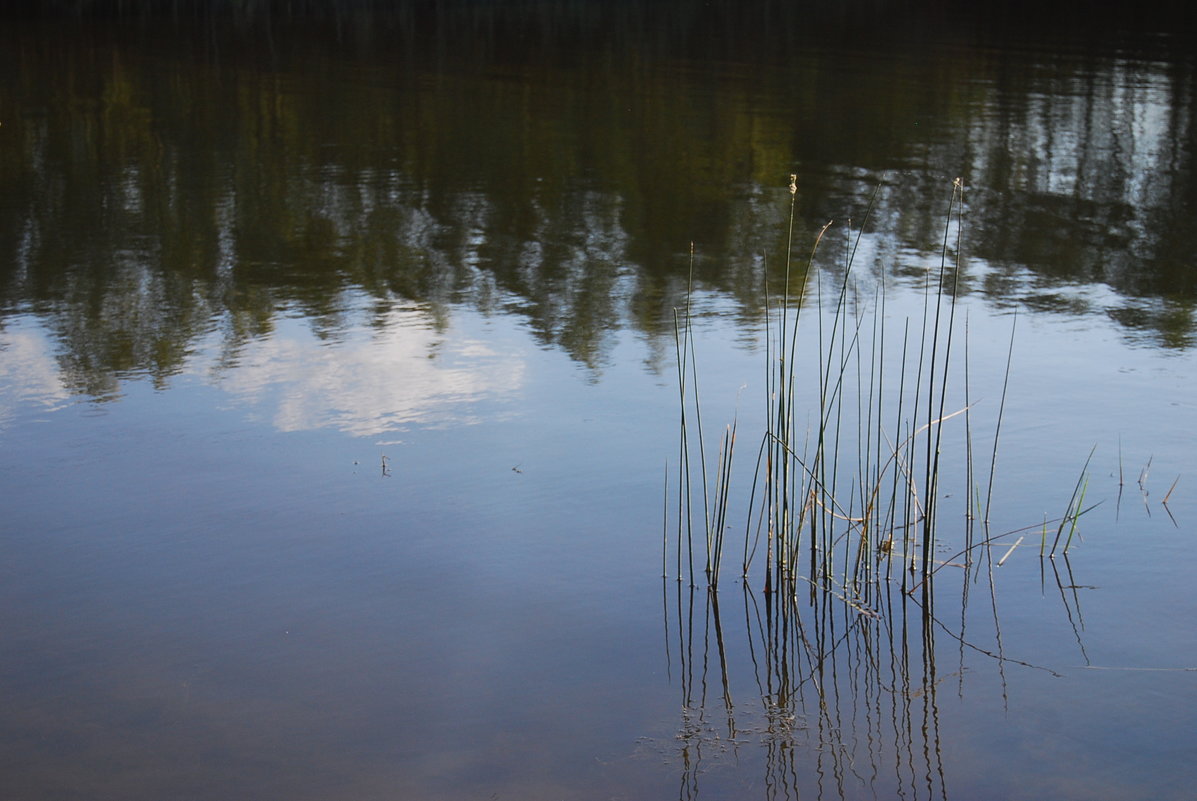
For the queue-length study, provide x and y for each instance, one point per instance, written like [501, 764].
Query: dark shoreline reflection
[167, 179]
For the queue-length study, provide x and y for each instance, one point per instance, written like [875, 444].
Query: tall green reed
[847, 477]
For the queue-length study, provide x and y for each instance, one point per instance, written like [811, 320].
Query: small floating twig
[1007, 554]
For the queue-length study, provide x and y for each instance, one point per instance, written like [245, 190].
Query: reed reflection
[833, 700]
[845, 703]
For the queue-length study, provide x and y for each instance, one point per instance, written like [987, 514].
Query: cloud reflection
[375, 380]
[29, 374]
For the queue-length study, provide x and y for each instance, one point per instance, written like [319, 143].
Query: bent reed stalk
[835, 516]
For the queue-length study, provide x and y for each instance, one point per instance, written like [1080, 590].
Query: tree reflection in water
[165, 179]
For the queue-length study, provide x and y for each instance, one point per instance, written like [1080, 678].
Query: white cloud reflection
[370, 381]
[29, 373]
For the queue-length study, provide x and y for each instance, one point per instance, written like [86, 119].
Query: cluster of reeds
[846, 485]
[868, 434]
[714, 500]
[1072, 515]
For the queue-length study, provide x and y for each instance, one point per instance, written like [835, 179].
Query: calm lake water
[339, 406]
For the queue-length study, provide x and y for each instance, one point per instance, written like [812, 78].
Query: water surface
[337, 393]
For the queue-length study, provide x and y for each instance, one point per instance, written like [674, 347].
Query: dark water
[337, 388]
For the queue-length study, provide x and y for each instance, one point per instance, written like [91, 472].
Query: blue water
[339, 420]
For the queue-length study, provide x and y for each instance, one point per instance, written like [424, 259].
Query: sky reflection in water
[336, 388]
